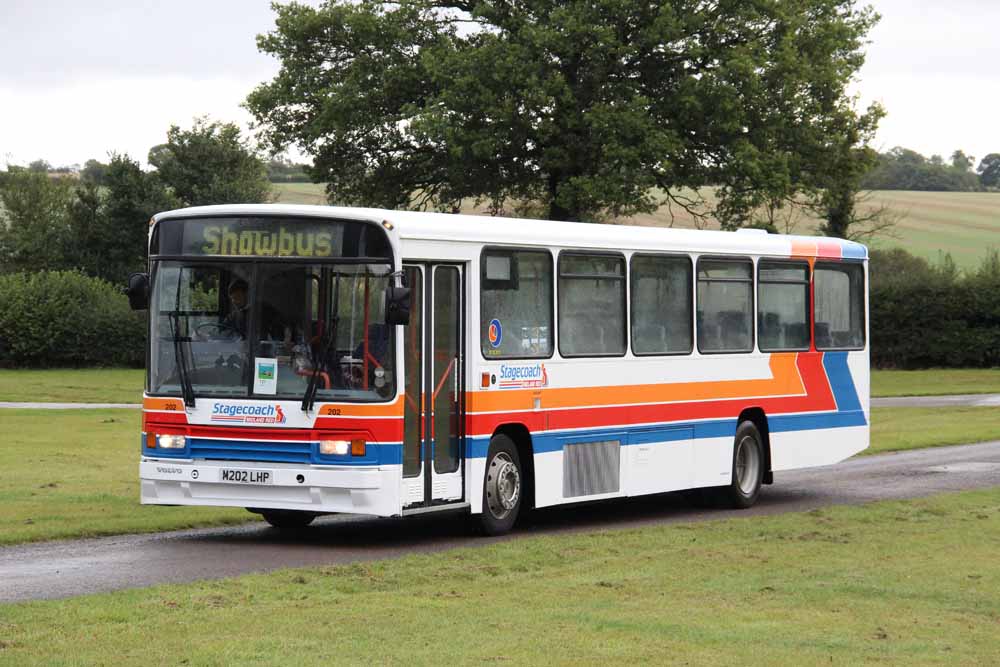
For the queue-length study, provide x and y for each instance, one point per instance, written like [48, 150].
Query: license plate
[244, 476]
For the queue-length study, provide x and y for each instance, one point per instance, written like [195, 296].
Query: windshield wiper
[187, 390]
[310, 396]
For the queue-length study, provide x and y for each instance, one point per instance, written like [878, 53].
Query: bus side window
[591, 304]
[725, 298]
[782, 305]
[515, 304]
[840, 306]
[661, 304]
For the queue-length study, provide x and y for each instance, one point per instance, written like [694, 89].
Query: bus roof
[488, 230]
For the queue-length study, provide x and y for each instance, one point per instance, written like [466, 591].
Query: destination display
[269, 237]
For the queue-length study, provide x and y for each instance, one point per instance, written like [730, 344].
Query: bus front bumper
[373, 490]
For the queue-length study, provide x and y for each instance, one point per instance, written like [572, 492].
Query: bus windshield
[257, 327]
[255, 330]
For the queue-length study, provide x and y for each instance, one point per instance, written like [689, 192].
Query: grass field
[897, 429]
[117, 385]
[73, 473]
[962, 223]
[72, 385]
[936, 381]
[912, 583]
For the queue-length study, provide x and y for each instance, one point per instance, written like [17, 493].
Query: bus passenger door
[434, 406]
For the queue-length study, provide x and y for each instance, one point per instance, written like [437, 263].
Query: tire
[503, 487]
[748, 468]
[289, 520]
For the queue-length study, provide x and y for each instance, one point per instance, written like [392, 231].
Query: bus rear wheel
[503, 487]
[748, 468]
[288, 519]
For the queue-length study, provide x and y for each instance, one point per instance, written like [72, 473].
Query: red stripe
[818, 398]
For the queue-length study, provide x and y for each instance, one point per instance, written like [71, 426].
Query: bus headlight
[335, 447]
[171, 442]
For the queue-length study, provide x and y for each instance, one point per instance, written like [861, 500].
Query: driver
[240, 308]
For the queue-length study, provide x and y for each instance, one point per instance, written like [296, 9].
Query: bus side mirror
[397, 305]
[137, 291]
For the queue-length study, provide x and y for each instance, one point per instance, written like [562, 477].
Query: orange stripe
[784, 381]
[803, 248]
[393, 409]
[172, 404]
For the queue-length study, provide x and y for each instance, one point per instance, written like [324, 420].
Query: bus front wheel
[503, 486]
[748, 467]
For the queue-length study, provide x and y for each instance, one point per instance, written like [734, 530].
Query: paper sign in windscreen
[265, 376]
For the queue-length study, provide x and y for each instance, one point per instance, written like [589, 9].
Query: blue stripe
[841, 382]
[271, 451]
[852, 250]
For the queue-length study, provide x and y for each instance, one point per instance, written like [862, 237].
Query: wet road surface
[67, 568]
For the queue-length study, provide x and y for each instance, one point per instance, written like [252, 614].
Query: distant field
[962, 223]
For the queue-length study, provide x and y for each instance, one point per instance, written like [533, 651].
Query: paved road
[964, 400]
[62, 569]
[957, 400]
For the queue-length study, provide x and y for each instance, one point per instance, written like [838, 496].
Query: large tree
[211, 164]
[590, 108]
[35, 228]
[110, 223]
[989, 171]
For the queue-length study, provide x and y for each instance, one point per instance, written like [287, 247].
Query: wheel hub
[503, 488]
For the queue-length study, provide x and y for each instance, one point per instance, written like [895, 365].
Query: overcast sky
[80, 79]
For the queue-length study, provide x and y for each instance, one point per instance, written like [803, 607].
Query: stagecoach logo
[248, 414]
[495, 333]
[523, 377]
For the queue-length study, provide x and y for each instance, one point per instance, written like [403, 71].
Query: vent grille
[590, 468]
[269, 451]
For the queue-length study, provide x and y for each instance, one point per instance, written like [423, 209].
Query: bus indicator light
[357, 447]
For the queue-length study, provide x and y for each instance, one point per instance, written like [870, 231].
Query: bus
[308, 360]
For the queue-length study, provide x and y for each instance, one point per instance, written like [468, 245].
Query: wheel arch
[759, 419]
[521, 437]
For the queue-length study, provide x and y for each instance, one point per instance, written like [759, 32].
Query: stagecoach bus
[313, 360]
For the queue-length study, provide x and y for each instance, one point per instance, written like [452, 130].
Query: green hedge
[63, 318]
[923, 316]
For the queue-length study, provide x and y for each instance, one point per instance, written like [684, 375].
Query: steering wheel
[221, 330]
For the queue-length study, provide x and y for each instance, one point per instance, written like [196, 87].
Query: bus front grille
[251, 450]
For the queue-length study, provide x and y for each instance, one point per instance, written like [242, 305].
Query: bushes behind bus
[64, 318]
[929, 316]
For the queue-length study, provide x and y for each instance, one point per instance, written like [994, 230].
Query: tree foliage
[110, 224]
[211, 164]
[35, 228]
[64, 318]
[989, 171]
[589, 108]
[930, 316]
[93, 171]
[905, 169]
[58, 224]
